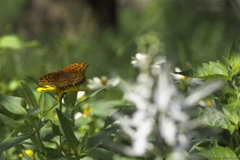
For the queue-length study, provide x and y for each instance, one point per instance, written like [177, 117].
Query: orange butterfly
[70, 76]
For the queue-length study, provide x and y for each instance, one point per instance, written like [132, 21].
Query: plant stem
[60, 108]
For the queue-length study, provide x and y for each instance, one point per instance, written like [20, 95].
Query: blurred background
[50, 34]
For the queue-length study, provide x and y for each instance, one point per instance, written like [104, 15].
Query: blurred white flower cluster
[159, 108]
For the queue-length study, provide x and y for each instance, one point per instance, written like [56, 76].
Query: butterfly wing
[76, 73]
[49, 79]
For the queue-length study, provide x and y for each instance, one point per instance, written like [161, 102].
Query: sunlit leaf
[12, 104]
[212, 117]
[11, 41]
[234, 57]
[208, 70]
[219, 153]
[231, 115]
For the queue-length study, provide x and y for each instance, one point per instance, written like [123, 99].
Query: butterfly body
[70, 76]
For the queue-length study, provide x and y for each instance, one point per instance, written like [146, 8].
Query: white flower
[168, 129]
[80, 94]
[78, 115]
[190, 81]
[159, 61]
[97, 83]
[141, 61]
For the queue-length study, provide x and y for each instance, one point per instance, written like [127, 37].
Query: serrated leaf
[231, 129]
[231, 115]
[233, 107]
[100, 153]
[12, 104]
[234, 56]
[9, 122]
[213, 118]
[208, 70]
[219, 153]
[14, 141]
[30, 96]
[68, 132]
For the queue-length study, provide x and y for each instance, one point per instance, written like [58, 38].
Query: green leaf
[10, 123]
[219, 153]
[12, 104]
[67, 130]
[46, 134]
[234, 56]
[33, 111]
[56, 129]
[14, 141]
[54, 153]
[70, 99]
[231, 129]
[30, 96]
[100, 136]
[84, 143]
[213, 118]
[208, 70]
[233, 107]
[231, 115]
[100, 153]
[12, 42]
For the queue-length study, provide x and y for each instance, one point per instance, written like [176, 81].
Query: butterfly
[70, 76]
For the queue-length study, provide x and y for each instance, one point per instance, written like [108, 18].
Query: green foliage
[219, 153]
[15, 43]
[226, 113]
[208, 70]
[12, 104]
[8, 143]
[28, 120]
[213, 118]
[234, 58]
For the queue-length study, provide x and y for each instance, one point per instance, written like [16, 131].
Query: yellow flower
[87, 111]
[85, 114]
[28, 152]
[48, 88]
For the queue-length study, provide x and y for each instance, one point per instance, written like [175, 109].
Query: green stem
[42, 149]
[60, 108]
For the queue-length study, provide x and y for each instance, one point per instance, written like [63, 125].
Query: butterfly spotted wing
[71, 75]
